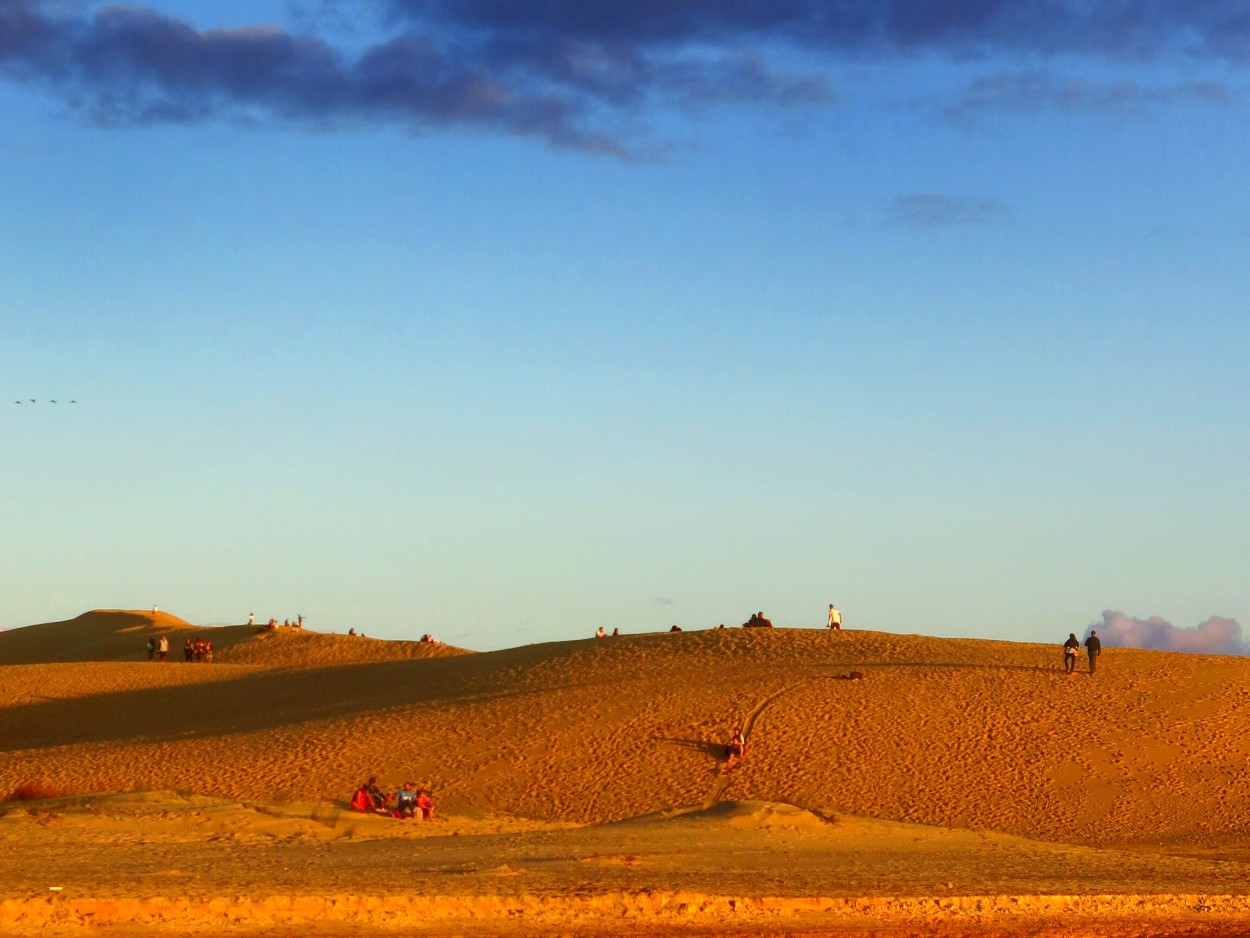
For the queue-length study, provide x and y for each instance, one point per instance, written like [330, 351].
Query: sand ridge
[989, 770]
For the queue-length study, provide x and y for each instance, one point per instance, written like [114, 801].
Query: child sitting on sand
[406, 801]
[425, 805]
[736, 748]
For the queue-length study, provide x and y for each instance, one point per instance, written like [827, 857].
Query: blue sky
[503, 321]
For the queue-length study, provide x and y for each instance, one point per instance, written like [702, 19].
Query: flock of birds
[33, 401]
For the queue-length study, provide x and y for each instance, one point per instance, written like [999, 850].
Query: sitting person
[406, 801]
[676, 628]
[600, 633]
[425, 805]
[736, 748]
[369, 798]
[757, 621]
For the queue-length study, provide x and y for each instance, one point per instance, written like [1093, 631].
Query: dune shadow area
[255, 701]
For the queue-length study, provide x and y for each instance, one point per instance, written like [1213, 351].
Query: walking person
[163, 647]
[1070, 649]
[1093, 648]
[835, 618]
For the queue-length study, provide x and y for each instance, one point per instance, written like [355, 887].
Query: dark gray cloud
[1110, 28]
[579, 73]
[1214, 636]
[929, 210]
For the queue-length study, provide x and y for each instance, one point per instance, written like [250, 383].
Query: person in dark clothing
[1070, 649]
[1093, 648]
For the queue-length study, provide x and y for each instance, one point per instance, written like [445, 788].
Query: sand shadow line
[715, 750]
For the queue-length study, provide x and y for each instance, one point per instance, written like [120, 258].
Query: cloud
[1209, 28]
[1027, 92]
[927, 210]
[1215, 636]
[576, 74]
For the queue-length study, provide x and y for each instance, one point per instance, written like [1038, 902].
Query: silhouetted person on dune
[1070, 649]
[1093, 648]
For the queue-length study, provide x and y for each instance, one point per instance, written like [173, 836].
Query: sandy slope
[985, 740]
[122, 635]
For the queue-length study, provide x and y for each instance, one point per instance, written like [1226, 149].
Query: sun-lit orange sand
[960, 788]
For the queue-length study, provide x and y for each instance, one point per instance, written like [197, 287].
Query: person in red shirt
[425, 805]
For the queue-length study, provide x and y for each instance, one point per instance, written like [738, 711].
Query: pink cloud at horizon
[1214, 636]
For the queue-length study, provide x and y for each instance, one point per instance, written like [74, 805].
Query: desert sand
[960, 788]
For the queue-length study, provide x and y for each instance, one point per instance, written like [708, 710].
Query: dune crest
[122, 635]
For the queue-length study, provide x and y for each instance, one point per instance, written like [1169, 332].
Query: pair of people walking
[1072, 648]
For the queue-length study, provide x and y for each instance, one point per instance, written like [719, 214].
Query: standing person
[835, 618]
[163, 647]
[251, 618]
[151, 648]
[1093, 648]
[1070, 649]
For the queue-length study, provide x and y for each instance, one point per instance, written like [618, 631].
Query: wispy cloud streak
[929, 210]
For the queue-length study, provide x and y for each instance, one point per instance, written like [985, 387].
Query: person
[188, 649]
[425, 805]
[1093, 648]
[351, 631]
[369, 798]
[162, 647]
[736, 748]
[251, 618]
[835, 618]
[208, 650]
[600, 633]
[757, 621]
[299, 621]
[616, 632]
[1070, 649]
[151, 648]
[675, 628]
[406, 801]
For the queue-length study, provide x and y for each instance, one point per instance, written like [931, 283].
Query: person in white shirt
[835, 618]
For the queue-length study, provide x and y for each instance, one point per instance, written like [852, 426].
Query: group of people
[193, 649]
[197, 649]
[158, 646]
[757, 621]
[405, 802]
[1072, 648]
[272, 624]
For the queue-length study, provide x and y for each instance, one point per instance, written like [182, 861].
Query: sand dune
[122, 635]
[1025, 778]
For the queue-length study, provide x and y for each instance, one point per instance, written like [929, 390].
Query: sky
[503, 321]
